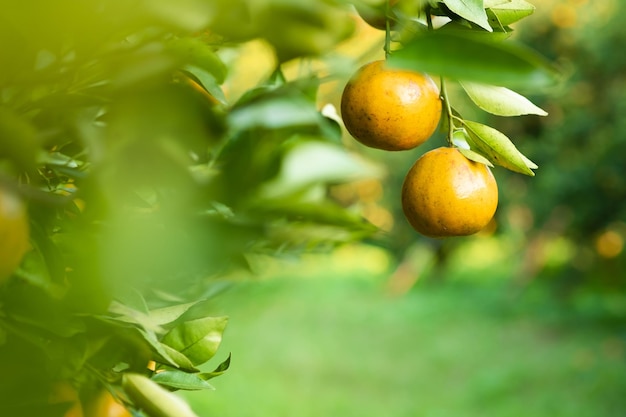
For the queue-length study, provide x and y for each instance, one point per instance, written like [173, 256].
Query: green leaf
[470, 59]
[500, 100]
[208, 81]
[221, 368]
[275, 113]
[180, 360]
[129, 315]
[181, 380]
[313, 162]
[197, 339]
[153, 399]
[188, 15]
[506, 13]
[497, 148]
[194, 52]
[471, 10]
[474, 156]
[169, 314]
[456, 28]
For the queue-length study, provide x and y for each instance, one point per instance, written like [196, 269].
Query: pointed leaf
[130, 315]
[153, 399]
[169, 314]
[470, 59]
[161, 351]
[496, 147]
[181, 380]
[197, 339]
[500, 100]
[179, 359]
[471, 10]
[476, 157]
[506, 13]
[221, 368]
[192, 51]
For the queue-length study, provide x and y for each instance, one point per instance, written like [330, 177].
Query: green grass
[330, 347]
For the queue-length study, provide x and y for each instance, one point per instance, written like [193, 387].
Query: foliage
[148, 183]
[145, 184]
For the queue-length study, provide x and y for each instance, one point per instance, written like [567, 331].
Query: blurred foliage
[579, 194]
[146, 186]
[150, 178]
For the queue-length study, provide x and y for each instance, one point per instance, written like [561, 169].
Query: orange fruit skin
[64, 392]
[14, 233]
[445, 194]
[105, 405]
[390, 109]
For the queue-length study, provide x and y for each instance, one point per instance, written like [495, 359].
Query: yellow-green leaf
[497, 148]
[500, 100]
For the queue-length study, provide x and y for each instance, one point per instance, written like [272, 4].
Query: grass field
[342, 348]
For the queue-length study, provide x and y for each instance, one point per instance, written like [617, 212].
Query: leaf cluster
[147, 186]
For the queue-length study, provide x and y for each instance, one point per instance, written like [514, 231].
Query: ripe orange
[64, 393]
[105, 405]
[14, 233]
[390, 109]
[446, 194]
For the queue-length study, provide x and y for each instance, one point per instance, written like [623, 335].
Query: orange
[446, 194]
[390, 109]
[14, 233]
[64, 393]
[105, 405]
[375, 16]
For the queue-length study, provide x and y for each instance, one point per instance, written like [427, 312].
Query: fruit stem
[448, 109]
[387, 46]
[429, 18]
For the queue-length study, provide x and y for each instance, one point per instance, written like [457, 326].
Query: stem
[429, 18]
[387, 46]
[448, 110]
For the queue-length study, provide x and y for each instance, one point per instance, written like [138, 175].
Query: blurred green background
[527, 318]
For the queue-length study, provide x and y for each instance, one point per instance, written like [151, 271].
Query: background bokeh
[526, 318]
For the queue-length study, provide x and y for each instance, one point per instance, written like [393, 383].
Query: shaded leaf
[500, 100]
[275, 113]
[181, 380]
[490, 62]
[194, 52]
[221, 368]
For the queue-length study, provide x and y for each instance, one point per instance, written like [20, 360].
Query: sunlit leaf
[496, 147]
[500, 100]
[197, 339]
[471, 10]
[506, 13]
[312, 162]
[188, 15]
[476, 157]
